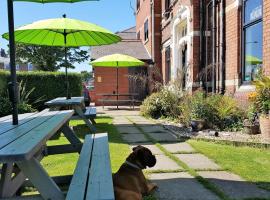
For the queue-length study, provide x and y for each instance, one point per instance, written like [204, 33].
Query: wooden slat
[28, 144]
[23, 118]
[8, 137]
[78, 184]
[62, 101]
[100, 185]
[90, 111]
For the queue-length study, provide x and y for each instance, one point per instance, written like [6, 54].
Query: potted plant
[251, 124]
[261, 102]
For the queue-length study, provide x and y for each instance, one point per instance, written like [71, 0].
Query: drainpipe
[153, 30]
[214, 28]
[202, 39]
[223, 47]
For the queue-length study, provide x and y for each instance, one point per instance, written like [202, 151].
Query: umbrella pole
[117, 96]
[67, 83]
[13, 86]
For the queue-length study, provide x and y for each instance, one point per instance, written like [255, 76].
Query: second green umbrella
[64, 32]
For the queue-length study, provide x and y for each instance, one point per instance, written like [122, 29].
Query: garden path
[181, 173]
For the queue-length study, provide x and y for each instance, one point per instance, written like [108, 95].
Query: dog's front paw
[152, 187]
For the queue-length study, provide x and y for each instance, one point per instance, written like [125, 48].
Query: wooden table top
[23, 141]
[63, 101]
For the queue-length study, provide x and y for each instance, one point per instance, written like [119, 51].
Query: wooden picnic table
[77, 104]
[107, 98]
[23, 146]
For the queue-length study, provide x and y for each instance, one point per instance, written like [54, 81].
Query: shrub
[219, 111]
[47, 84]
[6, 108]
[226, 113]
[161, 104]
[261, 98]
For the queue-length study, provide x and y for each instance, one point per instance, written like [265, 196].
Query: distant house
[105, 78]
[4, 63]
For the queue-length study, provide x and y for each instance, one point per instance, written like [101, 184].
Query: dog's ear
[137, 147]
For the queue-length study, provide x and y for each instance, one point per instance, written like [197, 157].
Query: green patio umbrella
[117, 61]
[64, 32]
[252, 60]
[13, 87]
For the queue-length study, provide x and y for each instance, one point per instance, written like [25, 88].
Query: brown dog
[129, 182]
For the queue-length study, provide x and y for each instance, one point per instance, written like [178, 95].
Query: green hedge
[47, 84]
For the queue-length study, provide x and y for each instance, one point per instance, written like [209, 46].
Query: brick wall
[144, 13]
[266, 36]
[105, 82]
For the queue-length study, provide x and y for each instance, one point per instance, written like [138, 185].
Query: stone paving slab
[153, 148]
[144, 123]
[128, 130]
[163, 137]
[134, 138]
[180, 186]
[122, 122]
[165, 163]
[153, 129]
[178, 147]
[234, 186]
[198, 161]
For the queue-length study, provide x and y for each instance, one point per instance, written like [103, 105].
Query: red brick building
[105, 78]
[219, 45]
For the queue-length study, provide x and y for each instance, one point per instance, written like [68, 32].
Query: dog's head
[144, 156]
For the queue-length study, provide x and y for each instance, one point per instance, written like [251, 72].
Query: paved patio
[175, 183]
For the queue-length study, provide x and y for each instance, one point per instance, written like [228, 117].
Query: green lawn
[253, 164]
[65, 164]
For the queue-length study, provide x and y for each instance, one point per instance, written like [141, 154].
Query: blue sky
[113, 15]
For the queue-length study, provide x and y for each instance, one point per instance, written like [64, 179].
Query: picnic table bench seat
[92, 178]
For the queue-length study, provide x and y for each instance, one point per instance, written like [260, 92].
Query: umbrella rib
[108, 36]
[89, 33]
[38, 32]
[75, 39]
[85, 39]
[95, 33]
[53, 38]
[102, 37]
[45, 35]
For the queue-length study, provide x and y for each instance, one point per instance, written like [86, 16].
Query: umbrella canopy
[13, 86]
[117, 60]
[55, 1]
[64, 32]
[252, 60]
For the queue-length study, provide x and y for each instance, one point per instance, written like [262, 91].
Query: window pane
[253, 10]
[146, 30]
[253, 51]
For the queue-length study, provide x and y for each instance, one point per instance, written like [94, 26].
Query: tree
[86, 76]
[46, 58]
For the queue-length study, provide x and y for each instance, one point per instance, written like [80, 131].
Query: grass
[65, 164]
[191, 171]
[253, 164]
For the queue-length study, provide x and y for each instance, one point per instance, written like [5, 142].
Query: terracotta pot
[265, 127]
[197, 125]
